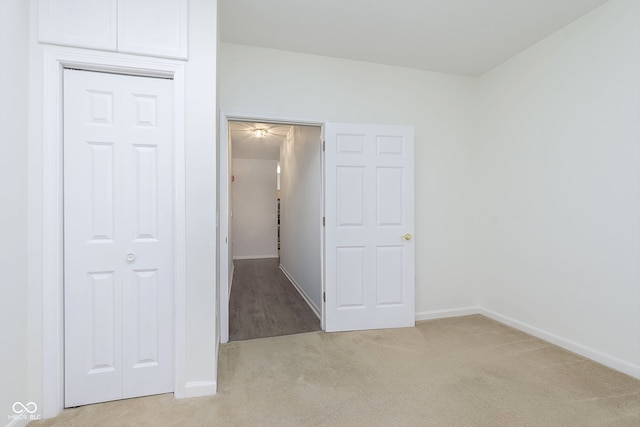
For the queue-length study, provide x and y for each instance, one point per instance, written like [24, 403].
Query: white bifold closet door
[118, 236]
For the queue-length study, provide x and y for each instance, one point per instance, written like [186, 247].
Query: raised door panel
[350, 197]
[153, 27]
[87, 23]
[350, 278]
[389, 203]
[389, 275]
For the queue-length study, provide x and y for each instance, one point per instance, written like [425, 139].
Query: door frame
[224, 173]
[50, 193]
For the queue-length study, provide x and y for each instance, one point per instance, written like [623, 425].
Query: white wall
[201, 198]
[527, 179]
[254, 198]
[557, 173]
[300, 210]
[35, 197]
[438, 106]
[200, 342]
[14, 62]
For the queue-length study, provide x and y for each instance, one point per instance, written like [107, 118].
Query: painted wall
[254, 209]
[300, 210]
[35, 235]
[14, 51]
[527, 195]
[201, 198]
[437, 105]
[557, 173]
[201, 338]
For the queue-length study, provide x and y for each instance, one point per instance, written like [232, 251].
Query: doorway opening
[273, 234]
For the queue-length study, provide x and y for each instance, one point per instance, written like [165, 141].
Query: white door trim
[223, 180]
[51, 189]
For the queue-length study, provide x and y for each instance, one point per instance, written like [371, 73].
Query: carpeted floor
[466, 371]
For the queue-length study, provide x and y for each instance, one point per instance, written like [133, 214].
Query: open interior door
[369, 210]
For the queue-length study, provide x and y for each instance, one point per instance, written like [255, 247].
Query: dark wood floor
[263, 303]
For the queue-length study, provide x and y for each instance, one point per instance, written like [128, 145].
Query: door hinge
[324, 144]
[324, 222]
[324, 296]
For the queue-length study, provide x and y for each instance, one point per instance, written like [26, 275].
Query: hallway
[263, 303]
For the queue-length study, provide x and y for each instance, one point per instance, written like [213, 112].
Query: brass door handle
[406, 236]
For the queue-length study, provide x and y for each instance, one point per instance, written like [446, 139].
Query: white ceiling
[466, 37]
[245, 145]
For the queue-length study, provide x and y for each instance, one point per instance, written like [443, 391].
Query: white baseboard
[441, 314]
[256, 256]
[608, 360]
[310, 303]
[598, 356]
[197, 389]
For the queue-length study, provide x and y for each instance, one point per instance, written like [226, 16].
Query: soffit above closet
[465, 37]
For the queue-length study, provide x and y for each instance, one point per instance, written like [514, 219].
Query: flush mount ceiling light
[260, 133]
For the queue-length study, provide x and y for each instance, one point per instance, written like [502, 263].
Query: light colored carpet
[466, 371]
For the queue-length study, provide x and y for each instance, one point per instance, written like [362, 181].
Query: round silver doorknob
[130, 257]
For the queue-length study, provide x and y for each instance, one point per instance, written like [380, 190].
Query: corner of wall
[556, 160]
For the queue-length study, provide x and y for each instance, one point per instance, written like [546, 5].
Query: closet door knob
[406, 236]
[131, 257]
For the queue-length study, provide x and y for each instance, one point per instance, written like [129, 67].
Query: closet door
[118, 222]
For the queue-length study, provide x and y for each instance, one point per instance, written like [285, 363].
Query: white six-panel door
[118, 234]
[369, 208]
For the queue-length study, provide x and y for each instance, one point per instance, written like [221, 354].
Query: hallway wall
[254, 209]
[300, 210]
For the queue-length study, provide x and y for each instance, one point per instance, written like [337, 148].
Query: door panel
[101, 296]
[389, 275]
[369, 208]
[389, 204]
[118, 220]
[350, 197]
[350, 272]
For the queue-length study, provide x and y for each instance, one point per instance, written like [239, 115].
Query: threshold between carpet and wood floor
[465, 371]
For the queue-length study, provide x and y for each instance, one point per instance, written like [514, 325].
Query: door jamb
[50, 287]
[226, 276]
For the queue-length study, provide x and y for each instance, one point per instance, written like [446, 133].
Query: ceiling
[245, 145]
[465, 37]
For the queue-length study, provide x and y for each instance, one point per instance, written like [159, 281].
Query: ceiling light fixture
[260, 133]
